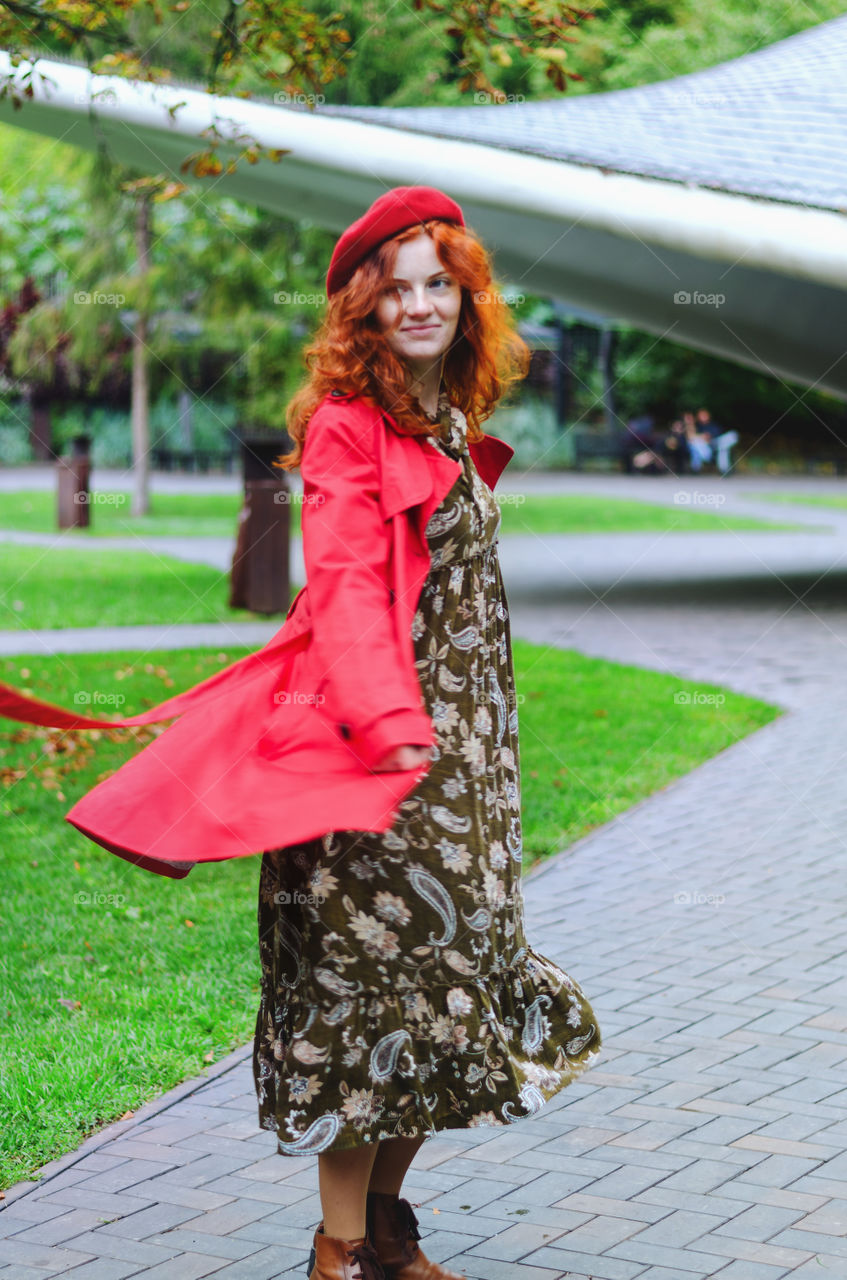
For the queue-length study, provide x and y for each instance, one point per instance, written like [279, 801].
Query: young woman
[400, 996]
[378, 732]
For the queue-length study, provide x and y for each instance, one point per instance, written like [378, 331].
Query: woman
[378, 731]
[399, 994]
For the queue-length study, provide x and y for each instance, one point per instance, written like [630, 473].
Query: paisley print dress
[399, 994]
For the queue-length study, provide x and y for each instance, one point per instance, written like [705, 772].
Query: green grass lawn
[835, 500]
[43, 587]
[120, 984]
[593, 513]
[215, 515]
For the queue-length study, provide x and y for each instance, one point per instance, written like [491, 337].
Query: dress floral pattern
[400, 995]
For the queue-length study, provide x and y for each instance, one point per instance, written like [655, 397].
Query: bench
[594, 444]
[838, 461]
[621, 449]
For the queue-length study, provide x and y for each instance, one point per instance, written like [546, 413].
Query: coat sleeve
[368, 684]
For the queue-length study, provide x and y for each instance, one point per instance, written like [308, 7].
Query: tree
[33, 354]
[242, 47]
[294, 50]
[642, 41]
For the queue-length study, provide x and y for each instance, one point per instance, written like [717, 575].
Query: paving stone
[678, 1228]
[23, 1211]
[17, 1271]
[147, 1222]
[227, 1218]
[823, 1266]
[830, 1219]
[623, 1183]
[471, 1196]
[183, 1239]
[193, 1197]
[773, 1253]
[760, 1222]
[664, 1273]
[489, 1269]
[782, 1171]
[139, 1252]
[516, 1242]
[102, 1202]
[813, 1241]
[306, 1214]
[103, 1269]
[59, 1229]
[271, 1264]
[563, 1262]
[748, 1270]
[605, 1205]
[40, 1255]
[685, 1261]
[188, 1266]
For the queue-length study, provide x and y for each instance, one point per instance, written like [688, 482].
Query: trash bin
[259, 578]
[73, 475]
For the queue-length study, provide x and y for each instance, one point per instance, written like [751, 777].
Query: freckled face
[419, 310]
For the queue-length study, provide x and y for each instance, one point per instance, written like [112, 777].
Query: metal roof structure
[771, 124]
[710, 209]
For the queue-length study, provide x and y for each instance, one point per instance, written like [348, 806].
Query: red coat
[277, 748]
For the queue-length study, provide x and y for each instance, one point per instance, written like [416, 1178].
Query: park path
[707, 924]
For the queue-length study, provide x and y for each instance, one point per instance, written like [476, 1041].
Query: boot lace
[367, 1259]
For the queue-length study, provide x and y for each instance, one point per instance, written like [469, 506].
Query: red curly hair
[350, 353]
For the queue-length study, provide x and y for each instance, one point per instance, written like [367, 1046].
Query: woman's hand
[408, 757]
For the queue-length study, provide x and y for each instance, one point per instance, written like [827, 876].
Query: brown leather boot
[393, 1230]
[336, 1259]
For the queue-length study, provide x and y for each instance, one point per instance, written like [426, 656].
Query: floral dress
[399, 993]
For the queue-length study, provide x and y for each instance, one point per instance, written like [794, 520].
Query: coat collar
[412, 472]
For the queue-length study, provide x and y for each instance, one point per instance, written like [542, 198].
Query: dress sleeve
[368, 686]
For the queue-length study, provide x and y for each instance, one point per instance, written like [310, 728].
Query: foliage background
[219, 266]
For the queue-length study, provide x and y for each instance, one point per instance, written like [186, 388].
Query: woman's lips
[420, 328]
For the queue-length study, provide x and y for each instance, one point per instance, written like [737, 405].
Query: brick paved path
[708, 926]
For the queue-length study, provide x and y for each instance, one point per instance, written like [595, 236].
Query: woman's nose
[418, 302]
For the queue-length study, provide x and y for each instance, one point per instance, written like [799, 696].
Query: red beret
[394, 211]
